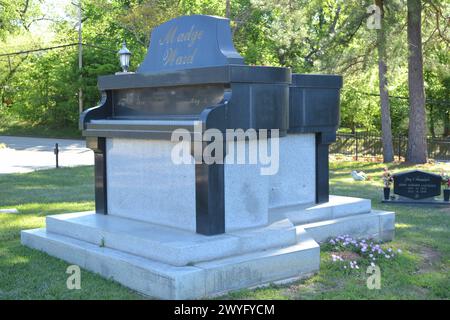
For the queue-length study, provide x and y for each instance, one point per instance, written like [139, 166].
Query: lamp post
[124, 58]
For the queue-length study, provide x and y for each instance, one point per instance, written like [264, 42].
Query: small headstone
[417, 185]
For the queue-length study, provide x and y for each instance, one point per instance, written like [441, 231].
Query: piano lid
[189, 42]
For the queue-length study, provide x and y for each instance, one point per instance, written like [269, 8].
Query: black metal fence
[363, 145]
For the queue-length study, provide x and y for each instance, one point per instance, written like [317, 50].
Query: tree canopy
[315, 36]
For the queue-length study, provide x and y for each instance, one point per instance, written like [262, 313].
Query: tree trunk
[431, 121]
[386, 129]
[227, 9]
[446, 124]
[417, 130]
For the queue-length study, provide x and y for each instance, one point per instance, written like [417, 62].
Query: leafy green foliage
[309, 36]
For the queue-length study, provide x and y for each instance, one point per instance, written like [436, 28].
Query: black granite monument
[193, 73]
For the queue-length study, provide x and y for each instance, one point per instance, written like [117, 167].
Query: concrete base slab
[188, 282]
[375, 224]
[337, 207]
[168, 245]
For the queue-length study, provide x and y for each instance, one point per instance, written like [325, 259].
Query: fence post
[356, 146]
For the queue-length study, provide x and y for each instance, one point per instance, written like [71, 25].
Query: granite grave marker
[417, 185]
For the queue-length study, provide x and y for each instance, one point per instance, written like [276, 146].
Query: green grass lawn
[420, 272]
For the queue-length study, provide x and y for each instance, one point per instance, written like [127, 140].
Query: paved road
[23, 154]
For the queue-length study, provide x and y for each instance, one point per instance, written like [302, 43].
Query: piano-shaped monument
[190, 229]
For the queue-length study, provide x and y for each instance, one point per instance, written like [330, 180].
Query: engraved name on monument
[190, 42]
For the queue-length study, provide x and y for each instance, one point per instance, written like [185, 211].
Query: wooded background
[381, 67]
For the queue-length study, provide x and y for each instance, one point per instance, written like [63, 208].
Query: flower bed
[351, 253]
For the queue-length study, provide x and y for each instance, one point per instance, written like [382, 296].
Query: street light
[124, 57]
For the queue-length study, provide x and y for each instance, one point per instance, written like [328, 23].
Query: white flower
[372, 264]
[399, 251]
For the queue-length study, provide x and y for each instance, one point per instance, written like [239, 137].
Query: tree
[417, 129]
[309, 36]
[386, 129]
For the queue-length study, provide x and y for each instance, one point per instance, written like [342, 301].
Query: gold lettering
[190, 59]
[172, 57]
[191, 36]
[169, 56]
[197, 35]
[169, 37]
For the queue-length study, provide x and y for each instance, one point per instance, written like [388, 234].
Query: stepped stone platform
[171, 263]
